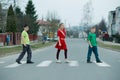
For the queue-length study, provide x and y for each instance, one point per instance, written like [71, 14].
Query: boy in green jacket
[92, 46]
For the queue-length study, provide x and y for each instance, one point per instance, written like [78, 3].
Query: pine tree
[102, 25]
[19, 19]
[31, 17]
[11, 23]
[11, 20]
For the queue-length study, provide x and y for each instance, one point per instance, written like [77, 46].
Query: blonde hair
[60, 24]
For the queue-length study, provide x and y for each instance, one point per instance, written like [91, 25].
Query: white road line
[103, 64]
[73, 64]
[1, 62]
[15, 65]
[44, 63]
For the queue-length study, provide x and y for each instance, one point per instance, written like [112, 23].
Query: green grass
[108, 46]
[15, 50]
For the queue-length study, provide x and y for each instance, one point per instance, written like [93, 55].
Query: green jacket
[92, 39]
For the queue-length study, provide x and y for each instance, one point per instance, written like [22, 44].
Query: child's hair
[61, 24]
[93, 27]
[25, 26]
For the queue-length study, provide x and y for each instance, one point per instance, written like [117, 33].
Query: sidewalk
[32, 43]
[108, 43]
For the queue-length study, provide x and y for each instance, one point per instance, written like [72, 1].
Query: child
[92, 46]
[26, 47]
[61, 44]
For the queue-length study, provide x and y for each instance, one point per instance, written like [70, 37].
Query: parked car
[49, 39]
[56, 39]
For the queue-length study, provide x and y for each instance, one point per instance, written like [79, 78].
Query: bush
[110, 39]
[116, 37]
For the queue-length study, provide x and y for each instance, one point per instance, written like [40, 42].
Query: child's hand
[91, 46]
[59, 44]
[24, 44]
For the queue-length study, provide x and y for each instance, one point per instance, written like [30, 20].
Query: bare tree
[3, 16]
[54, 20]
[87, 14]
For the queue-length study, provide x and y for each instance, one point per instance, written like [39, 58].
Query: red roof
[42, 22]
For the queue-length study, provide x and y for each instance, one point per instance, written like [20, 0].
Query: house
[114, 22]
[118, 19]
[43, 28]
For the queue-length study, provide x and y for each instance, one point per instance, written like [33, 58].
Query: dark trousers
[58, 52]
[95, 51]
[27, 49]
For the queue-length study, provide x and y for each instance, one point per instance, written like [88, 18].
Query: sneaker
[30, 62]
[89, 61]
[99, 61]
[58, 61]
[18, 62]
[67, 61]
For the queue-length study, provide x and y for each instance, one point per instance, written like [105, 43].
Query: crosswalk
[44, 63]
[103, 64]
[73, 64]
[48, 63]
[15, 65]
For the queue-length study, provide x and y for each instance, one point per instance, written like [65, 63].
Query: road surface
[45, 67]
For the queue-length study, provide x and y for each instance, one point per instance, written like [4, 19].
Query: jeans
[27, 49]
[95, 51]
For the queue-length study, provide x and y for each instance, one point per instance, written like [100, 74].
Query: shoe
[18, 62]
[67, 61]
[89, 61]
[99, 61]
[30, 62]
[58, 61]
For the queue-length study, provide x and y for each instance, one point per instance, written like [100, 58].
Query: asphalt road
[46, 68]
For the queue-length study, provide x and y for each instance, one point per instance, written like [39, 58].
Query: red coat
[61, 34]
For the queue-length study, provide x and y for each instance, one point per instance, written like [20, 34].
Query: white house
[43, 27]
[114, 22]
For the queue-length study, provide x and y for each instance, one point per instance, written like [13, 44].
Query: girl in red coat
[61, 44]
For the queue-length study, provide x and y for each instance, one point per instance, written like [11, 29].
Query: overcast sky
[71, 11]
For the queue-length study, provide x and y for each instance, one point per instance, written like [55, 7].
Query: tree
[54, 26]
[19, 19]
[97, 30]
[102, 25]
[53, 19]
[31, 18]
[0, 18]
[11, 20]
[11, 23]
[87, 14]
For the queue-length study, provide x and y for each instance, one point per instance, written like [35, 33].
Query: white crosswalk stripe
[103, 64]
[44, 63]
[15, 65]
[73, 64]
